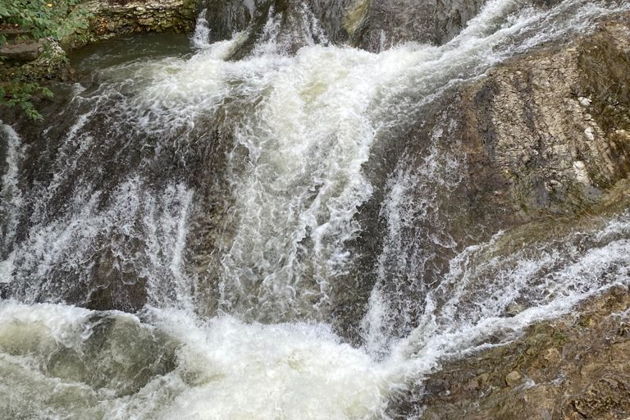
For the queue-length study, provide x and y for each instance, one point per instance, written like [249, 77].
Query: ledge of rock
[566, 138]
[575, 367]
[111, 18]
[21, 51]
[45, 60]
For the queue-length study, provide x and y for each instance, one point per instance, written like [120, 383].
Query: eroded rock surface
[544, 139]
[550, 132]
[375, 25]
[572, 368]
[540, 138]
[111, 17]
[371, 25]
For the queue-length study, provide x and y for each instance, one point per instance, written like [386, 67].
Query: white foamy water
[201, 36]
[126, 185]
[11, 199]
[167, 363]
[222, 368]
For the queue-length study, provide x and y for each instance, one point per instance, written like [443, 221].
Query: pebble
[584, 101]
[513, 378]
[590, 133]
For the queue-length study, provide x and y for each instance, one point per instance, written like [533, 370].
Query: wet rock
[227, 17]
[438, 387]
[375, 25]
[283, 25]
[590, 382]
[112, 288]
[371, 25]
[552, 155]
[533, 169]
[514, 309]
[231, 16]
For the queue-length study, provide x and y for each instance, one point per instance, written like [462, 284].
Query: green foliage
[44, 18]
[56, 19]
[19, 94]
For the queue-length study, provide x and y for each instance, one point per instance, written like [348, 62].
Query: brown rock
[513, 378]
[589, 379]
[552, 355]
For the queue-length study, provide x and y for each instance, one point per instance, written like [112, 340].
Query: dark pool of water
[127, 48]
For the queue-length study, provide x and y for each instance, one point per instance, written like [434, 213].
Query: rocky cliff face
[117, 17]
[532, 141]
[545, 139]
[549, 132]
[366, 24]
[546, 134]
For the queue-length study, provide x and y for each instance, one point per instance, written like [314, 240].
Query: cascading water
[217, 199]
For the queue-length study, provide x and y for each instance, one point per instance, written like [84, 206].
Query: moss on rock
[109, 18]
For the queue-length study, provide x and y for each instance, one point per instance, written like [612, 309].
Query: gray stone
[21, 51]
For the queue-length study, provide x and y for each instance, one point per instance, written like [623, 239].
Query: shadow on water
[128, 48]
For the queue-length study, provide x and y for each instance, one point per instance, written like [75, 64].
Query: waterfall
[181, 239]
[11, 200]
[201, 37]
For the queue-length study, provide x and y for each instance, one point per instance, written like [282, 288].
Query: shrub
[53, 19]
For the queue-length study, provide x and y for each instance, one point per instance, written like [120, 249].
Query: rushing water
[216, 200]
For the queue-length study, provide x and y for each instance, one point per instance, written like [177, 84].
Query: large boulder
[375, 25]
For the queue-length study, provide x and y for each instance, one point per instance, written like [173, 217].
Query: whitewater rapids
[252, 336]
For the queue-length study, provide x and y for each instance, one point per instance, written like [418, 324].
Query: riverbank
[28, 59]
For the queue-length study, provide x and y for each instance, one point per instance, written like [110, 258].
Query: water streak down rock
[543, 136]
[313, 230]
